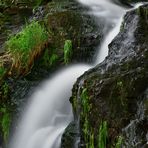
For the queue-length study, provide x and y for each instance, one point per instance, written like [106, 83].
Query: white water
[48, 111]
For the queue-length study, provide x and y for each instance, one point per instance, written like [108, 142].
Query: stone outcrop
[110, 100]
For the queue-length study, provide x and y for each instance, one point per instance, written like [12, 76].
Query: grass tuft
[5, 123]
[25, 46]
[119, 142]
[67, 51]
[103, 135]
[2, 70]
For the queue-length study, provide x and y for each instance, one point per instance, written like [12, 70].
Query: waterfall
[48, 111]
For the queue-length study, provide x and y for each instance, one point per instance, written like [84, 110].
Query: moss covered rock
[110, 100]
[67, 21]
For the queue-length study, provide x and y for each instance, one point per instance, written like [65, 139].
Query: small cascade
[48, 111]
[103, 52]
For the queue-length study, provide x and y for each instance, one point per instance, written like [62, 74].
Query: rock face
[110, 101]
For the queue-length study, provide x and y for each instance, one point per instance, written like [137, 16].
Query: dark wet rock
[115, 91]
[71, 133]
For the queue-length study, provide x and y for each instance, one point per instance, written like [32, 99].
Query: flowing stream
[48, 111]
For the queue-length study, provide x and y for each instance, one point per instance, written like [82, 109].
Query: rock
[72, 133]
[110, 100]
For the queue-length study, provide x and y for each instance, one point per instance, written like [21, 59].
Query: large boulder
[110, 100]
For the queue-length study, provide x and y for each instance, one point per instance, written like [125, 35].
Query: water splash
[112, 14]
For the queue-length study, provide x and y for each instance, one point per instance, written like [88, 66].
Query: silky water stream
[48, 111]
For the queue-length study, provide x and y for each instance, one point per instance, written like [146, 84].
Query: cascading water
[48, 111]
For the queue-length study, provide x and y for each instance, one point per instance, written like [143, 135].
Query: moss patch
[25, 46]
[5, 122]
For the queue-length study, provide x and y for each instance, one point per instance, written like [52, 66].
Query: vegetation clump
[103, 134]
[88, 131]
[67, 51]
[2, 71]
[119, 142]
[25, 46]
[5, 122]
[49, 60]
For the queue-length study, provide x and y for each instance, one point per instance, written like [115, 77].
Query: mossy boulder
[66, 20]
[110, 100]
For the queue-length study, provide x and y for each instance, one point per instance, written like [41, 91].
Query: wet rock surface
[72, 134]
[115, 91]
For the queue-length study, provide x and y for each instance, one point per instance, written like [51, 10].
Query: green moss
[26, 45]
[120, 84]
[85, 113]
[86, 128]
[103, 135]
[5, 123]
[75, 103]
[2, 72]
[49, 59]
[38, 2]
[119, 142]
[5, 89]
[53, 59]
[91, 140]
[67, 51]
[86, 106]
